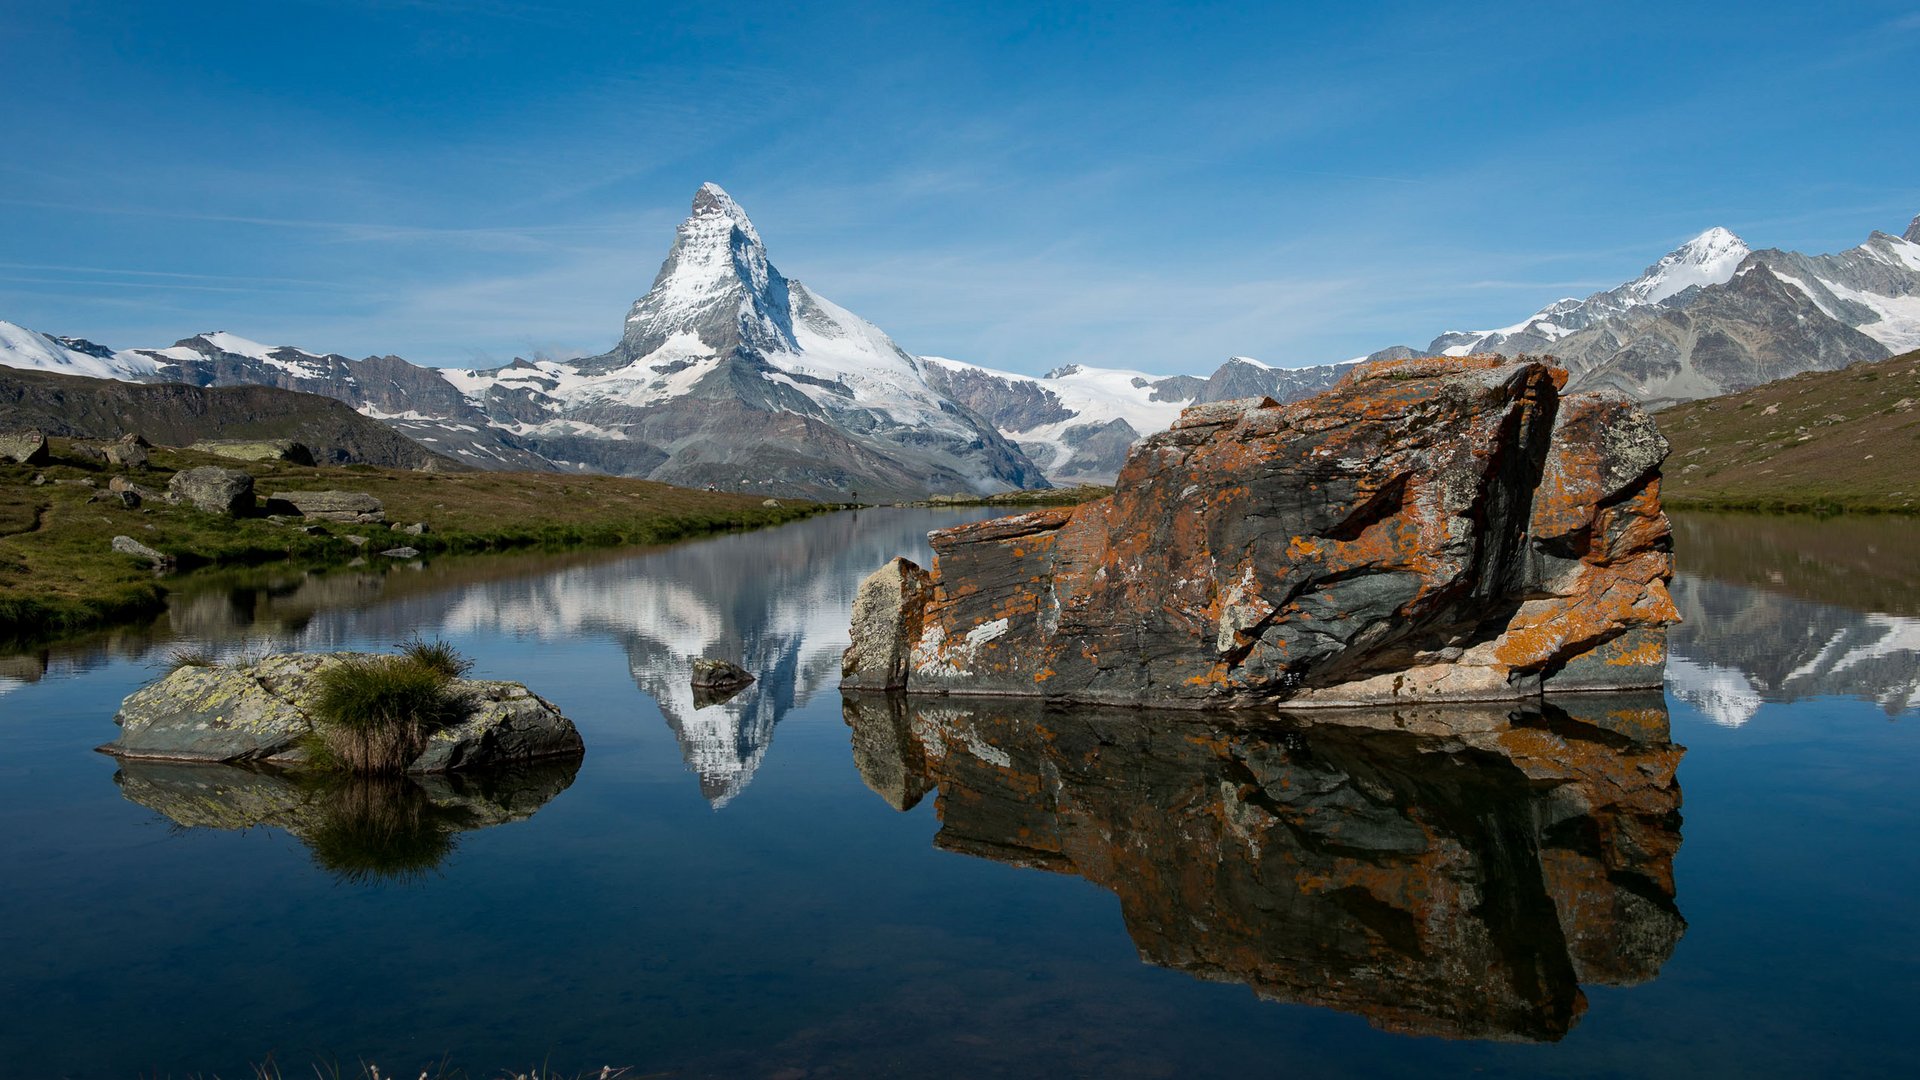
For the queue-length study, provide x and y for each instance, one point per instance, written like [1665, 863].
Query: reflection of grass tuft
[374, 713]
[379, 828]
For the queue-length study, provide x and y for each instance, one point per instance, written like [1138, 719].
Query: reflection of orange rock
[1457, 885]
[1429, 530]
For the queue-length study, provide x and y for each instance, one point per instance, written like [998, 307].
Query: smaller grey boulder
[719, 675]
[127, 545]
[213, 489]
[351, 506]
[257, 450]
[401, 552]
[24, 447]
[130, 452]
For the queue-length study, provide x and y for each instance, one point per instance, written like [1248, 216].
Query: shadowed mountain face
[1463, 887]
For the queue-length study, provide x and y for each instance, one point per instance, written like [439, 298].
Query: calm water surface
[783, 884]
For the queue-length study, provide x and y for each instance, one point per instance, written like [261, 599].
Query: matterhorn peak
[716, 285]
[712, 201]
[1913, 230]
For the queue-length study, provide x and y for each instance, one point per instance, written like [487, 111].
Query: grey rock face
[887, 615]
[355, 506]
[261, 711]
[213, 490]
[23, 447]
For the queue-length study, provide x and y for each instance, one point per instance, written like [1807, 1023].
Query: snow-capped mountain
[727, 373]
[1078, 422]
[1713, 317]
[30, 349]
[1708, 259]
[730, 373]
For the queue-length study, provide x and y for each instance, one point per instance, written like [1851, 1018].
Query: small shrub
[437, 655]
[374, 713]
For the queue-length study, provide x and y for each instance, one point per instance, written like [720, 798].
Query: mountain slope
[177, 415]
[1848, 439]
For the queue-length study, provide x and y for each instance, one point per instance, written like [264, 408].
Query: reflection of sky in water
[814, 928]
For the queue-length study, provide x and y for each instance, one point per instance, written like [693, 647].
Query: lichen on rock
[1431, 529]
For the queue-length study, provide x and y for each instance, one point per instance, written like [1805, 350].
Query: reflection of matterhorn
[774, 602]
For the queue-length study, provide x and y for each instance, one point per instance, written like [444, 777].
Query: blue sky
[1017, 185]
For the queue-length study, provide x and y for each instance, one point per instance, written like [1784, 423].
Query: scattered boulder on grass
[349, 506]
[266, 711]
[285, 450]
[213, 489]
[418, 528]
[771, 504]
[130, 452]
[24, 447]
[127, 545]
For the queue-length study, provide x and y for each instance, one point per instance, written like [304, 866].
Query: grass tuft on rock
[373, 714]
[436, 655]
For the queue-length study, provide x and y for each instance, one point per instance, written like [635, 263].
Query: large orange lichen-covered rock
[1428, 530]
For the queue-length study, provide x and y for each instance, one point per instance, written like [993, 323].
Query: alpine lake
[786, 884]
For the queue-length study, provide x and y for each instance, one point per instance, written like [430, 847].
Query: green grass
[373, 714]
[1072, 496]
[1828, 442]
[59, 576]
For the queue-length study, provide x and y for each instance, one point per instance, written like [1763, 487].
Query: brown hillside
[1844, 440]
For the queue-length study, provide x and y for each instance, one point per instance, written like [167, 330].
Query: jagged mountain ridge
[727, 373]
[1714, 316]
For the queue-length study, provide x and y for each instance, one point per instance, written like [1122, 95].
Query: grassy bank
[1824, 442]
[59, 574]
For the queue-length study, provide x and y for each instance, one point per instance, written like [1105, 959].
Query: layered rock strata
[1464, 886]
[1428, 530]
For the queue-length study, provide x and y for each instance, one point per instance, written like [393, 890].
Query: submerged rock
[261, 712]
[1429, 530]
[719, 675]
[1457, 885]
